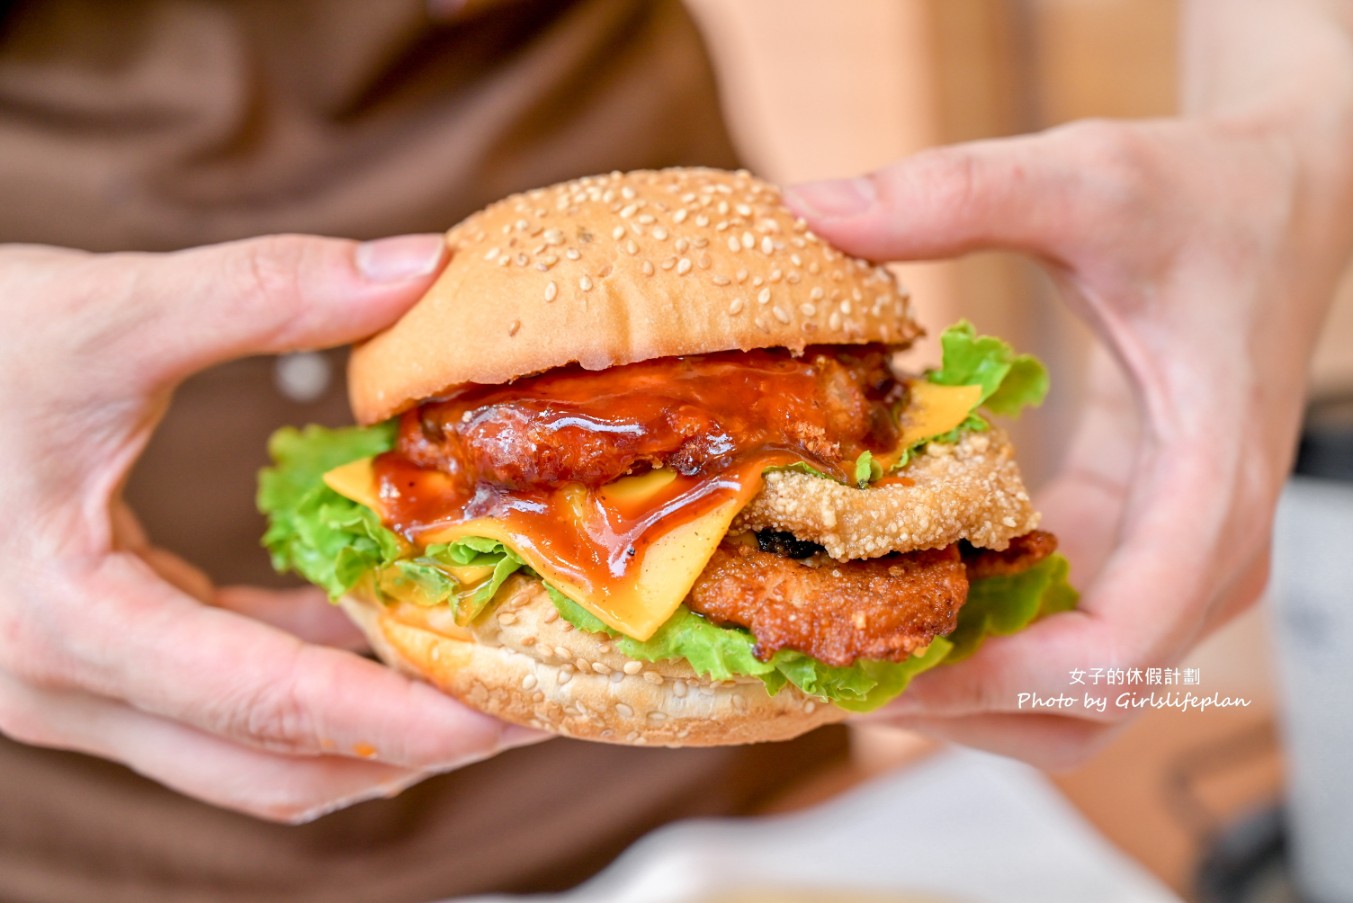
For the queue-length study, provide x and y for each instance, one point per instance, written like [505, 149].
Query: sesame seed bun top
[619, 268]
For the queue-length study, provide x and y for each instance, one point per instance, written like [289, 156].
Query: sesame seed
[492, 253]
[529, 682]
[565, 675]
[647, 267]
[834, 321]
[680, 216]
[604, 272]
[629, 211]
[573, 254]
[704, 261]
[733, 243]
[507, 618]
[807, 309]
[780, 314]
[668, 263]
[683, 266]
[736, 307]
[702, 221]
[653, 677]
[601, 668]
[659, 233]
[763, 297]
[740, 277]
[720, 280]
[646, 218]
[625, 711]
[618, 233]
[585, 283]
[767, 246]
[632, 668]
[748, 240]
[817, 293]
[631, 247]
[681, 245]
[521, 259]
[554, 237]
[513, 327]
[679, 689]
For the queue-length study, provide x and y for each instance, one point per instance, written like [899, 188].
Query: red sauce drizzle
[534, 453]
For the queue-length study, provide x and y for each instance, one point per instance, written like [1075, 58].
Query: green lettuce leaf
[329, 540]
[722, 653]
[1009, 381]
[476, 551]
[1000, 606]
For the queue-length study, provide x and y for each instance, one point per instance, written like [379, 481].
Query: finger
[1047, 741]
[305, 613]
[946, 201]
[264, 784]
[173, 314]
[257, 685]
[1141, 610]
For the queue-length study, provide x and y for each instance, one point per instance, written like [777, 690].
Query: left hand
[1203, 253]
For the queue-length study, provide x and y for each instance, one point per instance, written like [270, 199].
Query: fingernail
[401, 257]
[832, 197]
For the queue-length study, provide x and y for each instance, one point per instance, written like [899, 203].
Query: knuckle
[270, 269]
[1117, 162]
[957, 180]
[270, 714]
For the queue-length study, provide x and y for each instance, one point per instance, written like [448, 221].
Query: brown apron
[157, 124]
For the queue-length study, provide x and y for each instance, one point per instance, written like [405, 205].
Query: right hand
[112, 647]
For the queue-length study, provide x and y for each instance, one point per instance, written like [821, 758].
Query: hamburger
[639, 468]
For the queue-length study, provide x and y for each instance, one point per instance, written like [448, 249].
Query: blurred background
[816, 90]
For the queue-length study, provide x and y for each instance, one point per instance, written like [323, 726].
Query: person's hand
[1204, 256]
[111, 647]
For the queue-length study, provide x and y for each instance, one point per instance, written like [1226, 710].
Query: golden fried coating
[969, 490]
[1023, 553]
[883, 608]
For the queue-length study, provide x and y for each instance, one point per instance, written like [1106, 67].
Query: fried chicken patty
[838, 612]
[695, 414]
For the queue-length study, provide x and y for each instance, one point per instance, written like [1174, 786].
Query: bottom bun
[524, 663]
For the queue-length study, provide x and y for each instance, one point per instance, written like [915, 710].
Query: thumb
[184, 311]
[943, 202]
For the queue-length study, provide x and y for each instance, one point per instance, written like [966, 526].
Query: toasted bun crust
[620, 268]
[523, 663]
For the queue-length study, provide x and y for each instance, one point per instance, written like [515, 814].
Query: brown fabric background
[158, 124]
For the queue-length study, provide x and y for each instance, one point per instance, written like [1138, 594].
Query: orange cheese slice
[641, 601]
[934, 410]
